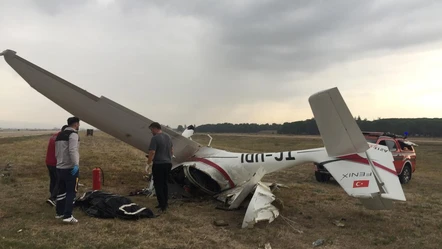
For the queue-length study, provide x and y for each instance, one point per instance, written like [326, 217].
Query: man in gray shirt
[68, 157]
[160, 158]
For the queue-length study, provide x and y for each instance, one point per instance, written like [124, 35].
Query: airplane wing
[102, 113]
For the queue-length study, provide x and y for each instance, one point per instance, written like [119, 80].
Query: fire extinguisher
[97, 178]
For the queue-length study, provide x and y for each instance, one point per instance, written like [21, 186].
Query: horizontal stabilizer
[369, 176]
[356, 179]
[339, 131]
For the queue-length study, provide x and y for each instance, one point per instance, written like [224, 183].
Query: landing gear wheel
[321, 177]
[405, 176]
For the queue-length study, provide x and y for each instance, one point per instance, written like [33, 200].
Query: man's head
[74, 122]
[64, 127]
[155, 128]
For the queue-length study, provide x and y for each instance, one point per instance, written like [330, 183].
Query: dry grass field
[22, 133]
[26, 221]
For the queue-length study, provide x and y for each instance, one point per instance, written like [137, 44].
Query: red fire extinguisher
[97, 178]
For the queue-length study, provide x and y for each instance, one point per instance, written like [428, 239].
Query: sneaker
[70, 220]
[59, 216]
[50, 202]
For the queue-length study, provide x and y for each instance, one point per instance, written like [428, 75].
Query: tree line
[431, 127]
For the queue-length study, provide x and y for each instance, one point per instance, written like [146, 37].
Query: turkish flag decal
[361, 184]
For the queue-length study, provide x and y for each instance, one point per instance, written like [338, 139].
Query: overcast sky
[254, 61]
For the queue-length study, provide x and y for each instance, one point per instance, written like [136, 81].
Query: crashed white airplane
[229, 176]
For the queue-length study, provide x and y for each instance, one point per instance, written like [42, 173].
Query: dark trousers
[67, 189]
[160, 173]
[52, 181]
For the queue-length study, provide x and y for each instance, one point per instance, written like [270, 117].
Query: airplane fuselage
[230, 169]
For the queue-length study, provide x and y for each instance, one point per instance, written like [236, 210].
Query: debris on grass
[266, 246]
[6, 171]
[279, 204]
[318, 242]
[292, 224]
[6, 174]
[8, 167]
[220, 223]
[339, 223]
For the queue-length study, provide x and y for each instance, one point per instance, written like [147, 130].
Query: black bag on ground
[106, 205]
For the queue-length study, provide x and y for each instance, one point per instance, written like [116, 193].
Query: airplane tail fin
[363, 170]
[339, 131]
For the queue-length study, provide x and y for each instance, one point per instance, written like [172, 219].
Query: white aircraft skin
[235, 168]
[364, 170]
[231, 169]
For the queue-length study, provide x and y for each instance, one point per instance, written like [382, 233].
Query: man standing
[68, 158]
[160, 158]
[51, 163]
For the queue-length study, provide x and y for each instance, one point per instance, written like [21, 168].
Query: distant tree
[420, 126]
[180, 128]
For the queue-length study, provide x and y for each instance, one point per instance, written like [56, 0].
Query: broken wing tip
[8, 52]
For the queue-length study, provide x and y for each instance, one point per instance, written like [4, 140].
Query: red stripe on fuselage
[217, 167]
[358, 159]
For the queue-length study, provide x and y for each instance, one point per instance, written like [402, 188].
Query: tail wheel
[405, 175]
[321, 177]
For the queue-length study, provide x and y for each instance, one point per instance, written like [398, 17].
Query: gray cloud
[54, 7]
[310, 35]
[214, 55]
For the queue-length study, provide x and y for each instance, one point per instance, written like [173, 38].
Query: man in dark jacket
[68, 158]
[51, 163]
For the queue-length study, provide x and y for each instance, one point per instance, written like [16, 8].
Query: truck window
[405, 146]
[391, 145]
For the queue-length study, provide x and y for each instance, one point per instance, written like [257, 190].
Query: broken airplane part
[229, 176]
